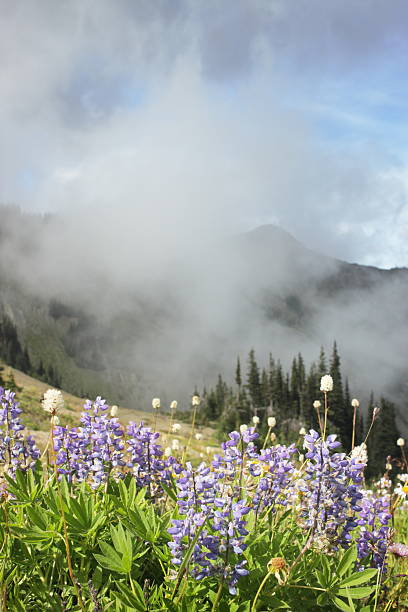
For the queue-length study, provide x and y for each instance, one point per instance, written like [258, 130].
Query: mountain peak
[273, 232]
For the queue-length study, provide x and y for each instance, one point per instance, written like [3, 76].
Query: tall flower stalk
[156, 408]
[355, 404]
[326, 385]
[195, 402]
[173, 408]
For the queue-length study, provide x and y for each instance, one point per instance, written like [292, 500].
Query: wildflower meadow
[106, 518]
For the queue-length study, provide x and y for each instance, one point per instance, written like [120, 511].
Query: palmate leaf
[111, 560]
[26, 486]
[122, 541]
[358, 578]
[342, 605]
[135, 600]
[38, 517]
[349, 557]
[356, 592]
[36, 535]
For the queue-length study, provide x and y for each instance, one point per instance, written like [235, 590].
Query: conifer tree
[244, 409]
[265, 388]
[383, 437]
[238, 377]
[294, 388]
[220, 393]
[322, 366]
[253, 381]
[211, 410]
[313, 393]
[10, 382]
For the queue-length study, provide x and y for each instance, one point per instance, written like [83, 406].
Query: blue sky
[218, 114]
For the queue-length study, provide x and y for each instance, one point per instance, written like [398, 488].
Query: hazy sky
[212, 116]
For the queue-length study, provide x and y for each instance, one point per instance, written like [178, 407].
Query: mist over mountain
[131, 318]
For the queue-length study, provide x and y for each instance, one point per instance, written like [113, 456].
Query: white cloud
[178, 110]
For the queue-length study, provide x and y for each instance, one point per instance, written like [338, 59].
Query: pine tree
[322, 367]
[10, 382]
[40, 370]
[211, 410]
[253, 381]
[294, 388]
[313, 393]
[220, 394]
[238, 377]
[244, 409]
[265, 388]
[383, 437]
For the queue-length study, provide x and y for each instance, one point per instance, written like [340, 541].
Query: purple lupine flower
[276, 470]
[16, 452]
[374, 520]
[330, 492]
[91, 451]
[211, 499]
[145, 457]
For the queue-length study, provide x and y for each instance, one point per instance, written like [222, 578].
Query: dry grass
[37, 422]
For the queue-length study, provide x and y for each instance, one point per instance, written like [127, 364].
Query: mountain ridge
[260, 289]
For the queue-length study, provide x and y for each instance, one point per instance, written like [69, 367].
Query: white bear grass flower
[326, 383]
[53, 401]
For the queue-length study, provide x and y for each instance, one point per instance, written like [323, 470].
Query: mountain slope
[160, 328]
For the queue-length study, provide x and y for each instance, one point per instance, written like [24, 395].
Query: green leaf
[109, 564]
[349, 557]
[276, 604]
[322, 599]
[64, 487]
[38, 517]
[169, 491]
[140, 524]
[321, 578]
[110, 559]
[81, 509]
[356, 592]
[122, 541]
[359, 578]
[326, 569]
[135, 600]
[342, 605]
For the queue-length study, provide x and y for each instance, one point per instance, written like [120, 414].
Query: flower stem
[67, 548]
[267, 437]
[354, 428]
[155, 419]
[191, 434]
[326, 409]
[218, 596]
[261, 586]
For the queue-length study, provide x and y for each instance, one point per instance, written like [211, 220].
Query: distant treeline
[263, 392]
[15, 355]
[289, 396]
